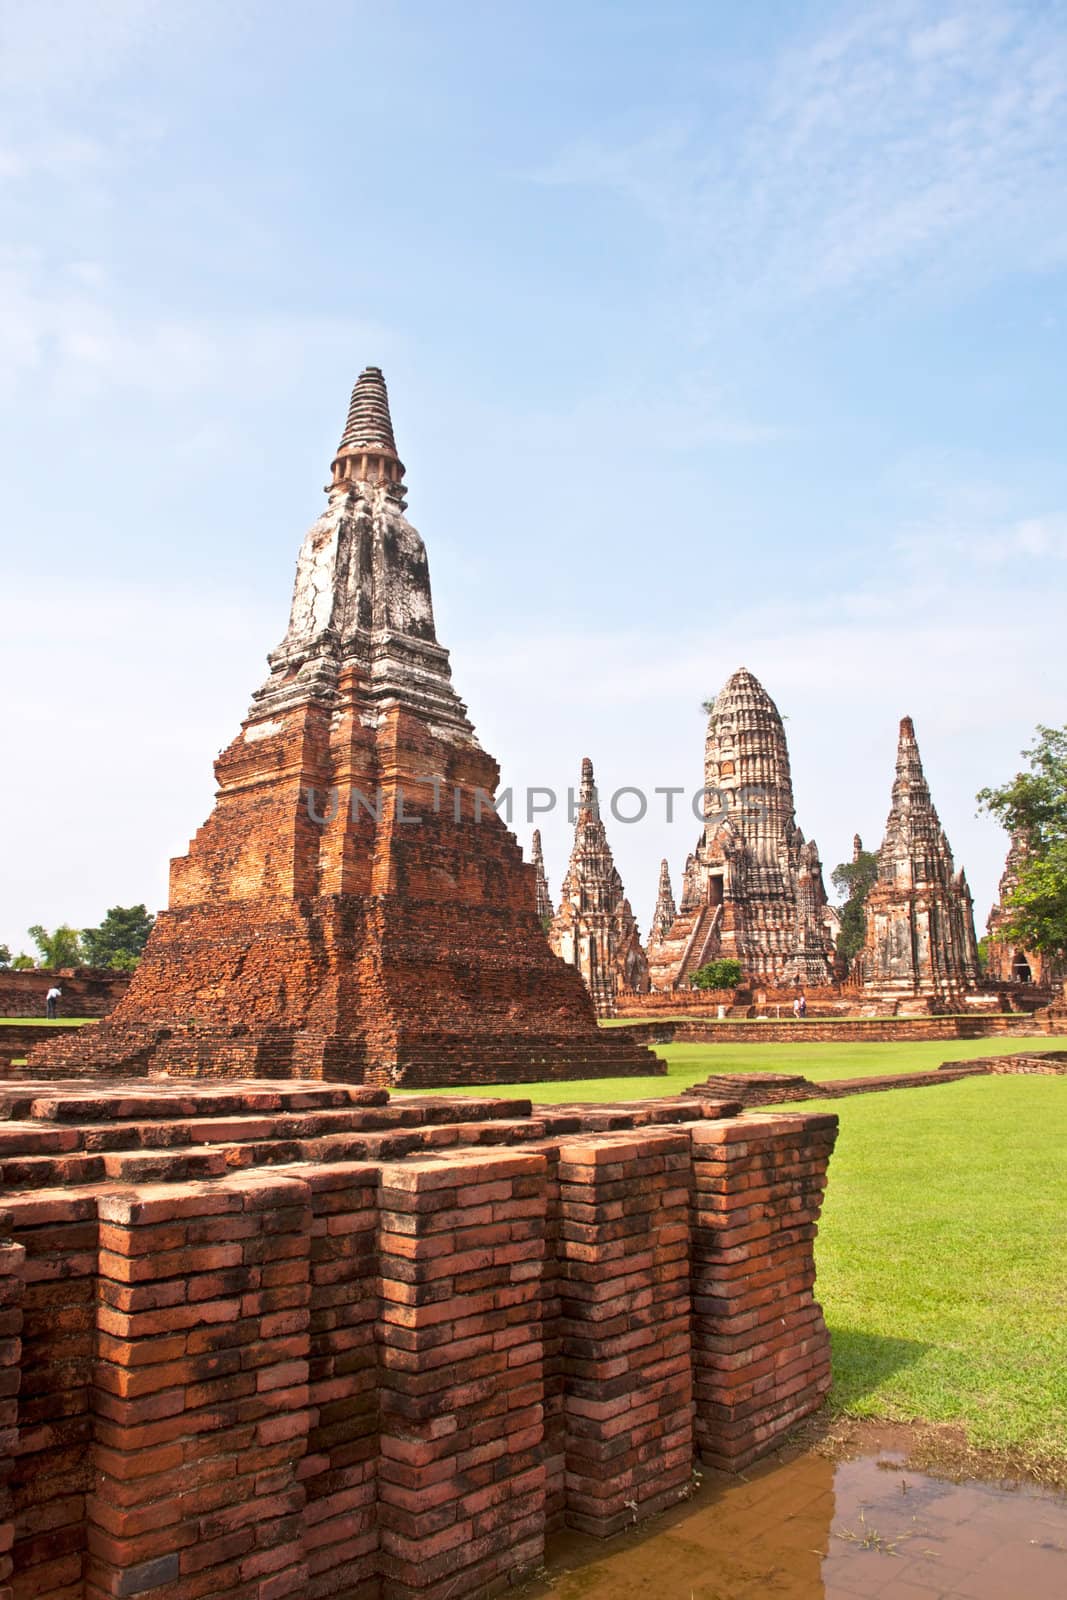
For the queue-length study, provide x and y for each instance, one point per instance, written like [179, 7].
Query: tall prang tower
[594, 929]
[354, 908]
[920, 942]
[753, 888]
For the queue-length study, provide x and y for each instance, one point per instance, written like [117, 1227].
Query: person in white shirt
[52, 999]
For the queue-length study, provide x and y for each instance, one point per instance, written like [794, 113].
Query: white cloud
[894, 142]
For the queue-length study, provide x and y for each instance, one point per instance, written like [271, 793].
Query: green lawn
[44, 1022]
[942, 1259]
[942, 1254]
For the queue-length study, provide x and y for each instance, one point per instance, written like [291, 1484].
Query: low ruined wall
[1041, 1064]
[822, 1000]
[364, 1378]
[851, 1030]
[87, 991]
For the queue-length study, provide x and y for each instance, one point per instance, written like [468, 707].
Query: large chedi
[354, 907]
[594, 929]
[753, 888]
[920, 942]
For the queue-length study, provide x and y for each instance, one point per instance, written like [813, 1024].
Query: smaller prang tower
[545, 908]
[1008, 961]
[920, 943]
[594, 929]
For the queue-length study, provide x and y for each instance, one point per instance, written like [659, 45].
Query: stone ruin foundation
[262, 1340]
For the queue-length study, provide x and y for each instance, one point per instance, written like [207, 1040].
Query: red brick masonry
[304, 1340]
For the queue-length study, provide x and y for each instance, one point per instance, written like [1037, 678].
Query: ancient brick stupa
[920, 943]
[753, 888]
[594, 929]
[354, 908]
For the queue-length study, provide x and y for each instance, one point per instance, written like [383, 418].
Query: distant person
[52, 999]
[802, 1005]
[796, 1006]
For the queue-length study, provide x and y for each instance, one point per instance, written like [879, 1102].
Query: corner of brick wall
[624, 1317]
[761, 1351]
[462, 1479]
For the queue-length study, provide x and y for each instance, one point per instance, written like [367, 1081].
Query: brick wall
[18, 1039]
[844, 1030]
[87, 991]
[11, 1263]
[386, 1377]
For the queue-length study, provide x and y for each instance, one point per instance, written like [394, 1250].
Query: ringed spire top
[367, 452]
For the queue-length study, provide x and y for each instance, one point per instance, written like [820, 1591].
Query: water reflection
[812, 1529]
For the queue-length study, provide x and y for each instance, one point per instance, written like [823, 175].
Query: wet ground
[808, 1527]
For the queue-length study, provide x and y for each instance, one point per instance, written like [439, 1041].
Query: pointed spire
[367, 452]
[909, 762]
[666, 911]
[857, 847]
[544, 899]
[587, 795]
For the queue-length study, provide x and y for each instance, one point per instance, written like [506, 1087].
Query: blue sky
[715, 335]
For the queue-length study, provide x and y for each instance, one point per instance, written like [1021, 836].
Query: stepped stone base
[128, 1049]
[267, 1339]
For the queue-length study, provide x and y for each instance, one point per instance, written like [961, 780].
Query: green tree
[22, 962]
[854, 880]
[1034, 804]
[120, 938]
[59, 949]
[725, 974]
[5, 955]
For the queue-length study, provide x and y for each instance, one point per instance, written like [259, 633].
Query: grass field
[43, 1022]
[942, 1253]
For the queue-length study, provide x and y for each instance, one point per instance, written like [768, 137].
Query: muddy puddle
[808, 1527]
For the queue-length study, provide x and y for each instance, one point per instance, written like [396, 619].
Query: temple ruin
[920, 944]
[594, 929]
[1008, 960]
[753, 888]
[354, 908]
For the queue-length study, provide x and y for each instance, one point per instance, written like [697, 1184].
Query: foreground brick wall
[387, 1377]
[11, 1262]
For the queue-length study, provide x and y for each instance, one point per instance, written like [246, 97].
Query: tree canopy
[59, 949]
[854, 881]
[120, 938]
[5, 955]
[725, 974]
[1034, 806]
